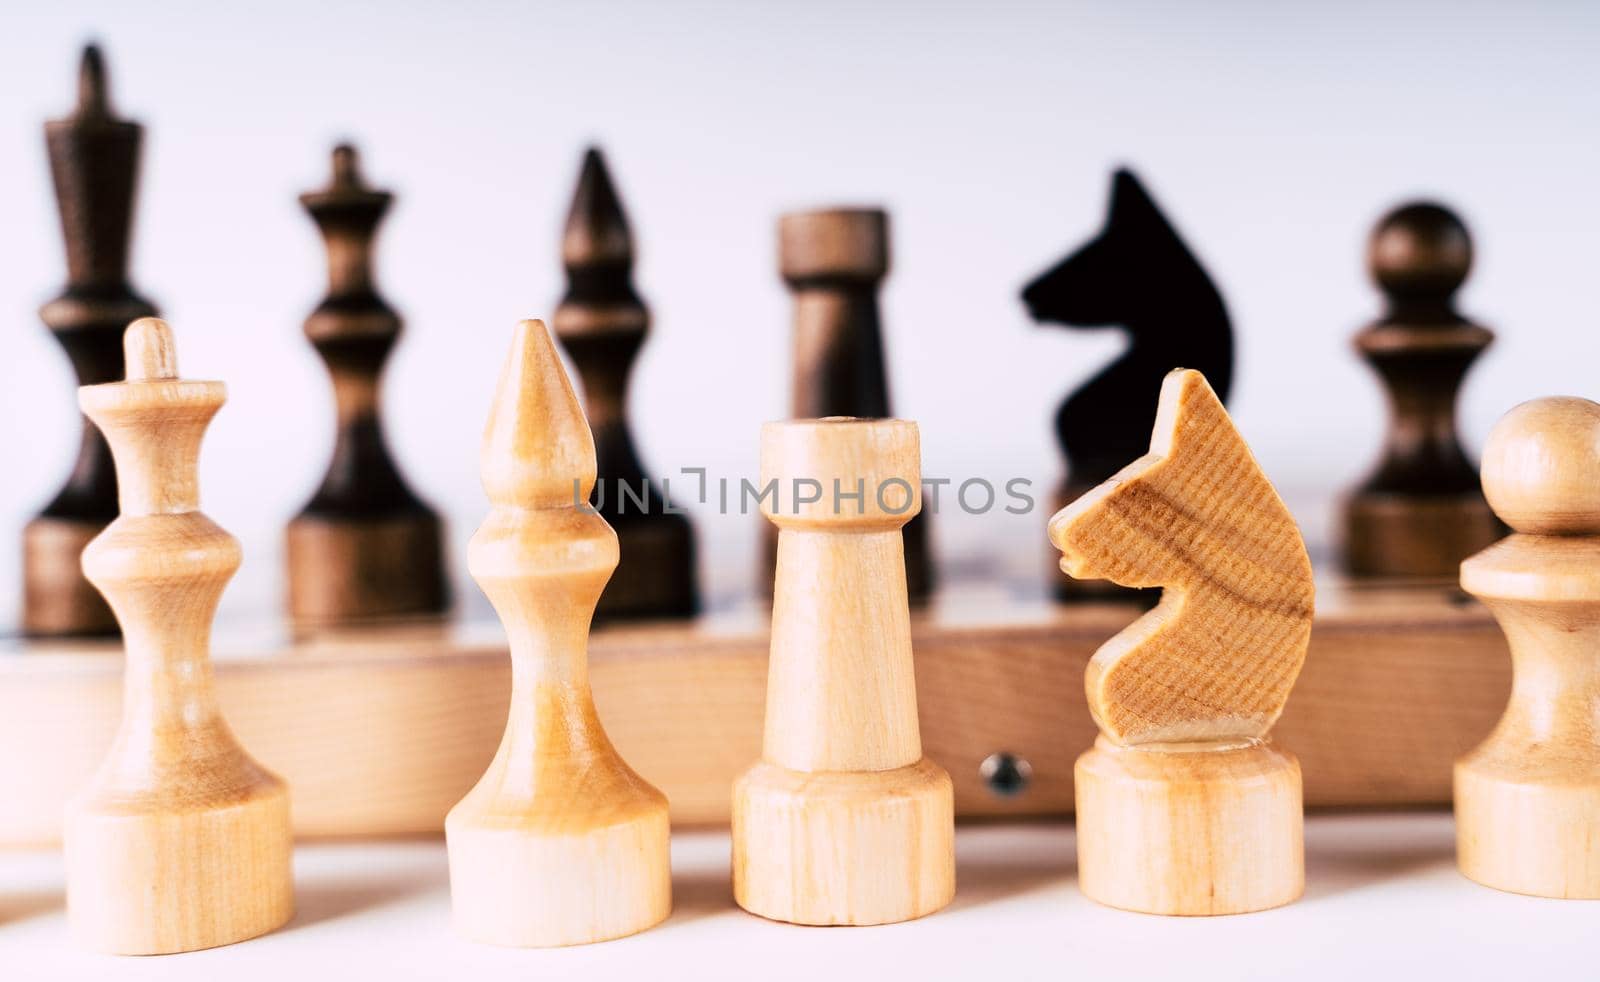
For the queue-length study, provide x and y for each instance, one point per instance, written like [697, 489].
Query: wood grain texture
[560, 842]
[843, 821]
[602, 323]
[1528, 798]
[1182, 806]
[365, 547]
[1195, 832]
[1419, 512]
[1216, 659]
[381, 731]
[181, 840]
[94, 165]
[834, 261]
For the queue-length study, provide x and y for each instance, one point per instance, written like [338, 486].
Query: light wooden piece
[560, 842]
[380, 732]
[834, 261]
[181, 840]
[843, 821]
[1183, 805]
[1528, 798]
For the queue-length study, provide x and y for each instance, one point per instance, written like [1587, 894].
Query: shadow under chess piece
[1421, 511]
[94, 162]
[1527, 799]
[602, 323]
[181, 840]
[365, 547]
[834, 262]
[1184, 806]
[1137, 275]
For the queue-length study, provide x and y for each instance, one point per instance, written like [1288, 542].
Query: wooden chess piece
[560, 842]
[602, 323]
[1420, 512]
[1184, 806]
[181, 840]
[365, 547]
[94, 162]
[1528, 798]
[843, 820]
[834, 262]
[1138, 275]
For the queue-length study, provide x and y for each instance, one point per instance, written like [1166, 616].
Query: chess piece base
[861, 847]
[56, 600]
[1410, 536]
[656, 576]
[1189, 831]
[515, 884]
[157, 874]
[345, 571]
[1519, 834]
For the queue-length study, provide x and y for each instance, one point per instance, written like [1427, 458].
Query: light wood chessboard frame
[380, 732]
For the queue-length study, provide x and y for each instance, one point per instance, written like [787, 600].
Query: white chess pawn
[1528, 798]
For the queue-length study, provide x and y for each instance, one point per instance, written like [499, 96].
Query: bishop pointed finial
[537, 449]
[597, 228]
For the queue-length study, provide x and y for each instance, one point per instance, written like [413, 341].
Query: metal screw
[1006, 774]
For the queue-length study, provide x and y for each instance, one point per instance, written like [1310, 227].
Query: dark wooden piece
[94, 162]
[365, 547]
[602, 323]
[1422, 510]
[1138, 275]
[834, 261]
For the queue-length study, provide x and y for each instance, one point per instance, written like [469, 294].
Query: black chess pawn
[1137, 275]
[94, 162]
[1422, 509]
[602, 323]
[365, 547]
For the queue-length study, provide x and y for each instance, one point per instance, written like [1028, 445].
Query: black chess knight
[1137, 275]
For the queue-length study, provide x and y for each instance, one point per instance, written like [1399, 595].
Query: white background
[1272, 134]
